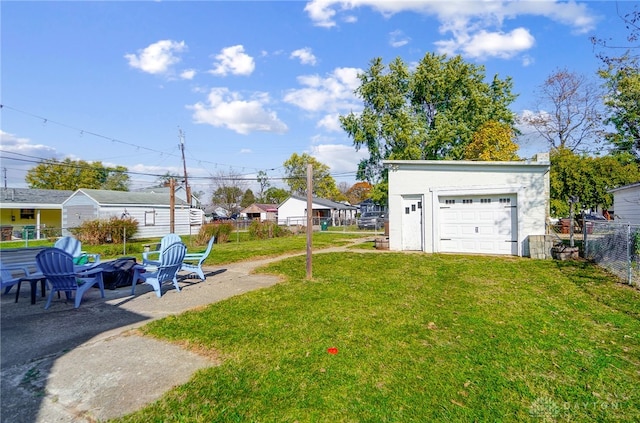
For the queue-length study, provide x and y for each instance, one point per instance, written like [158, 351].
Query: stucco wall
[529, 181]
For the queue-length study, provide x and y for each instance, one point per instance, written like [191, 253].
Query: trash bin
[29, 232]
[324, 225]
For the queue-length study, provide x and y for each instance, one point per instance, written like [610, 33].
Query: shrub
[266, 230]
[101, 231]
[221, 230]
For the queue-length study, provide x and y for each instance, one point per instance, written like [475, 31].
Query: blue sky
[250, 83]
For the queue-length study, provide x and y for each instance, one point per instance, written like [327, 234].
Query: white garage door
[479, 224]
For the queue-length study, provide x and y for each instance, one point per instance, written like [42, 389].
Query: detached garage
[467, 206]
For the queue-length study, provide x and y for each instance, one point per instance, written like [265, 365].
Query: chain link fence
[616, 247]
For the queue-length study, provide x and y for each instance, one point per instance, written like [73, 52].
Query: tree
[429, 113]
[275, 195]
[589, 178]
[359, 192]
[622, 80]
[247, 199]
[621, 75]
[492, 141]
[263, 180]
[568, 114]
[228, 191]
[324, 185]
[71, 175]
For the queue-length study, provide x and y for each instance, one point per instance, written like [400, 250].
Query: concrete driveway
[88, 364]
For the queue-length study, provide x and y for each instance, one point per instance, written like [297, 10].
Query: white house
[467, 206]
[626, 203]
[293, 211]
[152, 211]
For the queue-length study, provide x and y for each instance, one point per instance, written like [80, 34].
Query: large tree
[324, 185]
[275, 195]
[621, 75]
[71, 175]
[589, 178]
[492, 141]
[431, 112]
[568, 112]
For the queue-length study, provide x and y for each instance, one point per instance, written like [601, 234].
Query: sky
[240, 86]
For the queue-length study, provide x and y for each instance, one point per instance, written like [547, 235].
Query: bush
[221, 230]
[266, 230]
[102, 231]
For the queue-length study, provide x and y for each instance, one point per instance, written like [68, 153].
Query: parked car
[372, 220]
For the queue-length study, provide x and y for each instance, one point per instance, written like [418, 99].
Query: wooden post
[172, 205]
[309, 219]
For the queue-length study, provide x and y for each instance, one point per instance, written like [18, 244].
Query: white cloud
[398, 39]
[19, 155]
[305, 55]
[330, 123]
[233, 60]
[484, 44]
[158, 57]
[339, 157]
[245, 151]
[470, 22]
[227, 109]
[329, 94]
[188, 74]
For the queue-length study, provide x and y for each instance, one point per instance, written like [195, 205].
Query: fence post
[629, 253]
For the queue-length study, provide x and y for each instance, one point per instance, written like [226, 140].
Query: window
[406, 210]
[485, 200]
[449, 201]
[27, 214]
[149, 218]
[467, 201]
[505, 200]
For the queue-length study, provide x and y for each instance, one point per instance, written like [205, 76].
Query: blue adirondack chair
[57, 266]
[10, 275]
[166, 270]
[74, 247]
[193, 261]
[149, 257]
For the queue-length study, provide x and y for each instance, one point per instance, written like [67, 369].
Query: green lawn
[419, 338]
[238, 248]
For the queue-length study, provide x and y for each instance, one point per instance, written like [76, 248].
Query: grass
[239, 247]
[420, 338]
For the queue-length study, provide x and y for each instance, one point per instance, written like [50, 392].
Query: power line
[112, 139]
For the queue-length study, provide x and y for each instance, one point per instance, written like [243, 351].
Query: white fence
[616, 247]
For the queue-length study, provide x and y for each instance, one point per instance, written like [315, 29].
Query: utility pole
[172, 205]
[184, 165]
[309, 219]
[4, 170]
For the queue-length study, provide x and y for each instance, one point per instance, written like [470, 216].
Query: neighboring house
[180, 192]
[467, 206]
[293, 211]
[33, 209]
[151, 210]
[626, 203]
[261, 212]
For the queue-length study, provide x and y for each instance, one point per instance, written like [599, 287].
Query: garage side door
[478, 224]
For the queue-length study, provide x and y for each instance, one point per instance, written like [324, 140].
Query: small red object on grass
[332, 350]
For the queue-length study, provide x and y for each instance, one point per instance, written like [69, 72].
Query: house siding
[626, 204]
[85, 208]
